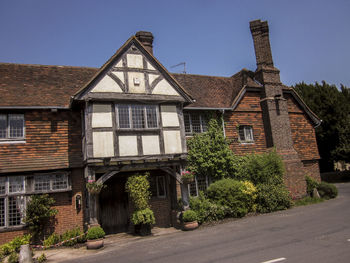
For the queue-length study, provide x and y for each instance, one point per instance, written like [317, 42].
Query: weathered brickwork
[312, 168]
[52, 141]
[162, 211]
[11, 234]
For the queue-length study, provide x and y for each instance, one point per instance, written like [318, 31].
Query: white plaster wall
[119, 64]
[169, 116]
[127, 145]
[101, 115]
[120, 75]
[172, 142]
[134, 61]
[149, 66]
[103, 144]
[136, 88]
[150, 144]
[164, 88]
[152, 77]
[107, 84]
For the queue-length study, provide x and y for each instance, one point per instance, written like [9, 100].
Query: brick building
[62, 126]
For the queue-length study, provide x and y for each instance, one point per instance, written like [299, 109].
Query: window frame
[131, 118]
[203, 124]
[194, 186]
[7, 137]
[164, 186]
[246, 129]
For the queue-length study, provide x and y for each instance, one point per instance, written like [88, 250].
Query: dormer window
[137, 116]
[11, 126]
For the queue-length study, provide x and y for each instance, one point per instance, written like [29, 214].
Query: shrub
[95, 232]
[53, 239]
[144, 216]
[235, 195]
[311, 184]
[39, 214]
[327, 190]
[207, 211]
[266, 168]
[272, 198]
[138, 188]
[42, 258]
[71, 234]
[13, 258]
[14, 245]
[189, 216]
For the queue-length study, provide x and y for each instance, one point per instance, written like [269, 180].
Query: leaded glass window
[11, 126]
[246, 133]
[42, 183]
[195, 122]
[16, 184]
[137, 116]
[60, 181]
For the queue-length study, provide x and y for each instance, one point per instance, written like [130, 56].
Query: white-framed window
[12, 126]
[158, 186]
[47, 183]
[245, 134]
[137, 116]
[12, 201]
[195, 123]
[200, 183]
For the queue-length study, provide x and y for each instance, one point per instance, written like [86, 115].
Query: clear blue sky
[310, 39]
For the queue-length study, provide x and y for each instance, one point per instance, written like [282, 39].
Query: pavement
[111, 242]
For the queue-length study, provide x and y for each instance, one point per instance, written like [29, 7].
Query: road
[315, 233]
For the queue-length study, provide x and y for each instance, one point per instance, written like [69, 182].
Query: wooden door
[114, 206]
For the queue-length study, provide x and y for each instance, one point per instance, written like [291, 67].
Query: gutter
[207, 108]
[223, 122]
[33, 107]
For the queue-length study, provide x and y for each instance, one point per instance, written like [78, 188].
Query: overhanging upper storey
[133, 73]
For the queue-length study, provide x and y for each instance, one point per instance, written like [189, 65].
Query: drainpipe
[222, 121]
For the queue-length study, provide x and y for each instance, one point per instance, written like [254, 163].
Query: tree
[332, 106]
[209, 153]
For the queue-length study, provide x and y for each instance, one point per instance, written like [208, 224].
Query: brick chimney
[275, 110]
[146, 38]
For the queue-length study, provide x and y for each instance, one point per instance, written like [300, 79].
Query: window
[194, 123]
[201, 183]
[11, 126]
[137, 116]
[12, 201]
[246, 134]
[44, 183]
[158, 186]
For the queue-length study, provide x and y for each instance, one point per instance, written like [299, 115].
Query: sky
[310, 39]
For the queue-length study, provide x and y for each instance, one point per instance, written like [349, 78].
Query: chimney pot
[146, 39]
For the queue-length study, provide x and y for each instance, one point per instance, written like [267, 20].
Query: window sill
[9, 141]
[12, 228]
[247, 142]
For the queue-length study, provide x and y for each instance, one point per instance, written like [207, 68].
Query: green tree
[332, 105]
[209, 153]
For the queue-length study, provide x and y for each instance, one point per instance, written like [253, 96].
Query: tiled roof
[52, 86]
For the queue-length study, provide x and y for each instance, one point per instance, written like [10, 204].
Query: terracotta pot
[143, 229]
[190, 225]
[94, 243]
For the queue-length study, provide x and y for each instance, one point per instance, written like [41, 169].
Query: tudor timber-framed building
[62, 126]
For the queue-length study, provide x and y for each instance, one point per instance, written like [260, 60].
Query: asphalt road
[316, 233]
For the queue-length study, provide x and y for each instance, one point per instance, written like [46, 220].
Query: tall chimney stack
[260, 33]
[146, 38]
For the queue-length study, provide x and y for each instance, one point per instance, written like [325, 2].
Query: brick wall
[161, 209]
[53, 141]
[9, 235]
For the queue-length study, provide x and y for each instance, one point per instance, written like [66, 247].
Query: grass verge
[308, 201]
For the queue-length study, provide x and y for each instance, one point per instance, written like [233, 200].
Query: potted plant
[94, 187]
[95, 237]
[143, 221]
[187, 177]
[189, 219]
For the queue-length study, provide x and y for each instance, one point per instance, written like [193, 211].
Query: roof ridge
[186, 74]
[48, 66]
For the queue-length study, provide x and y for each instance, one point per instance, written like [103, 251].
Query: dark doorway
[114, 209]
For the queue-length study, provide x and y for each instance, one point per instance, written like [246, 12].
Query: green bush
[311, 184]
[207, 211]
[95, 232]
[144, 216]
[189, 216]
[53, 239]
[39, 214]
[272, 198]
[14, 245]
[42, 258]
[266, 168]
[327, 190]
[71, 234]
[13, 258]
[235, 195]
[138, 188]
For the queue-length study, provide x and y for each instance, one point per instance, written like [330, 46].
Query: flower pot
[188, 180]
[190, 225]
[94, 243]
[143, 229]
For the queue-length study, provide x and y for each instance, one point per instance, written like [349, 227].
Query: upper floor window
[11, 126]
[137, 116]
[194, 123]
[246, 133]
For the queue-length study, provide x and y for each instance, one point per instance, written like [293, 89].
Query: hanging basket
[94, 187]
